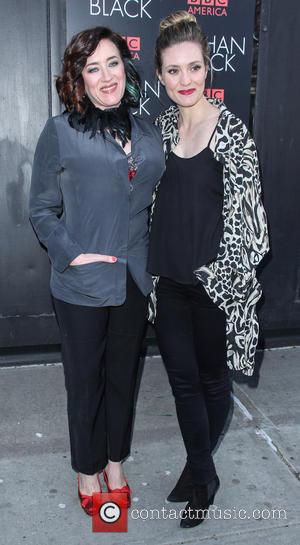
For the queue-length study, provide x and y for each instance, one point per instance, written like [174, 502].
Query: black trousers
[100, 353]
[191, 334]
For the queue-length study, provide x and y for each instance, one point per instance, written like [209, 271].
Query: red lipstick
[187, 91]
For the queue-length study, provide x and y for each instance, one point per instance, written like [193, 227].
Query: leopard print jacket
[230, 280]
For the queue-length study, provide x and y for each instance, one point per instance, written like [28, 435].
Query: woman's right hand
[83, 259]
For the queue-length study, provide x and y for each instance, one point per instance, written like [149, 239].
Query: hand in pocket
[83, 259]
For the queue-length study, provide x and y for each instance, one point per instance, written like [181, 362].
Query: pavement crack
[246, 410]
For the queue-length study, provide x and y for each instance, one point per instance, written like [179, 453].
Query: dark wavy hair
[70, 84]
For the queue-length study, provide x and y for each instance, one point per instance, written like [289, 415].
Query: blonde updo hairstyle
[176, 28]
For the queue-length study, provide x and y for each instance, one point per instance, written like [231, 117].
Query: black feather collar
[114, 120]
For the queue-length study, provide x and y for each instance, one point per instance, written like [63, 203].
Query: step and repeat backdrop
[228, 25]
[36, 32]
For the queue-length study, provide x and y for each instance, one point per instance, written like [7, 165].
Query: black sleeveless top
[187, 223]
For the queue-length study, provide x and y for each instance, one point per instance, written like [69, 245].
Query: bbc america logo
[208, 7]
[133, 42]
[210, 3]
[214, 93]
[134, 46]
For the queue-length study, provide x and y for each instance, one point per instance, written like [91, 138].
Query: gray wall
[26, 100]
[277, 133]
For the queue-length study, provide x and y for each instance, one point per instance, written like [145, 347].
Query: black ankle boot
[182, 491]
[197, 508]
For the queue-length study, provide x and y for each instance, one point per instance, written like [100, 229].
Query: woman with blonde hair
[208, 234]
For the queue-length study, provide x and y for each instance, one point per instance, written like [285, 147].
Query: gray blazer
[81, 201]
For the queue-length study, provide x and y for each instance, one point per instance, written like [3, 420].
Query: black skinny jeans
[100, 353]
[191, 334]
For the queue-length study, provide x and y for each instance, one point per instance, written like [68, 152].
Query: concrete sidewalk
[258, 462]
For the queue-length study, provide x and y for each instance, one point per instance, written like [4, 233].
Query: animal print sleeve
[256, 237]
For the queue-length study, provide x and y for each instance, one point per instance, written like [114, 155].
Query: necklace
[132, 167]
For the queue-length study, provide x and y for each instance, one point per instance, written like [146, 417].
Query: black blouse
[187, 222]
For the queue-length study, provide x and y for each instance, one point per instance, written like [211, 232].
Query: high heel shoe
[182, 491]
[126, 502]
[197, 508]
[86, 501]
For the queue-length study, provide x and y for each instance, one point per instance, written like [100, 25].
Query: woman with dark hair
[94, 171]
[208, 234]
